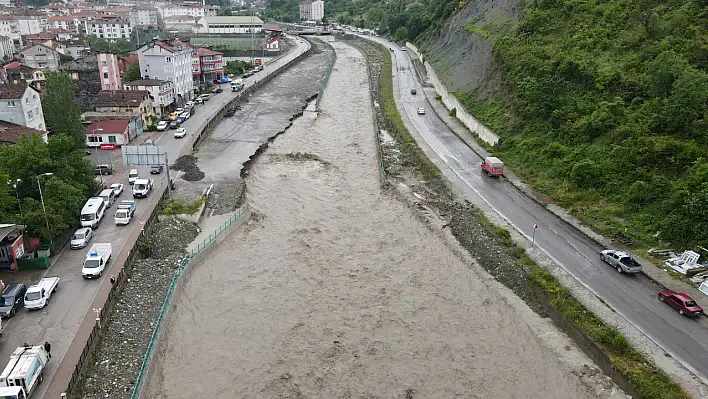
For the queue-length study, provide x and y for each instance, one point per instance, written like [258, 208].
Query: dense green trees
[61, 112]
[132, 73]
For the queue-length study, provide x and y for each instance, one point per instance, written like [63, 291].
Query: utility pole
[169, 179]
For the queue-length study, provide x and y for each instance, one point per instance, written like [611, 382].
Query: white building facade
[161, 92]
[110, 29]
[10, 27]
[230, 25]
[21, 105]
[162, 61]
[143, 16]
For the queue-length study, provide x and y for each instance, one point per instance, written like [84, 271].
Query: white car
[117, 189]
[185, 115]
[81, 238]
[189, 104]
[421, 111]
[179, 110]
[180, 132]
[162, 126]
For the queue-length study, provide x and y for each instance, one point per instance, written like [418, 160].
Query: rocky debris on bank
[188, 165]
[225, 197]
[125, 342]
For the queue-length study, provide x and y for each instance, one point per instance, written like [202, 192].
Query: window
[105, 75]
[104, 63]
[108, 87]
[30, 115]
[168, 69]
[168, 59]
[27, 100]
[112, 139]
[10, 104]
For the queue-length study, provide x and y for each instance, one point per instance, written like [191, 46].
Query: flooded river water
[335, 289]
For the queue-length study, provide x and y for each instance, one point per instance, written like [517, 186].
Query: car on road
[156, 169]
[81, 238]
[180, 132]
[621, 261]
[179, 110]
[149, 142]
[132, 176]
[162, 126]
[205, 97]
[12, 299]
[117, 189]
[189, 104]
[198, 101]
[414, 91]
[174, 115]
[103, 170]
[247, 75]
[403, 49]
[421, 111]
[175, 124]
[185, 115]
[141, 188]
[216, 89]
[258, 68]
[683, 303]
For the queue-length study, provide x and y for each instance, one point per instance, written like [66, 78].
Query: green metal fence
[184, 265]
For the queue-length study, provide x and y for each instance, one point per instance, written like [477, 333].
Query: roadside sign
[108, 147]
[143, 155]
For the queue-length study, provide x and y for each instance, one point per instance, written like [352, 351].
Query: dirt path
[336, 289]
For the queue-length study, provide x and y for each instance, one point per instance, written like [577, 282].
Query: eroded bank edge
[113, 292]
[601, 342]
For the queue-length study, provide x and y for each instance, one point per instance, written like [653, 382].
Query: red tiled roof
[131, 59]
[204, 52]
[13, 65]
[58, 30]
[12, 92]
[120, 98]
[112, 126]
[272, 27]
[11, 132]
[61, 18]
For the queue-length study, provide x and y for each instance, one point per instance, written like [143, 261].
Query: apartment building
[41, 57]
[191, 9]
[311, 10]
[109, 72]
[11, 28]
[172, 62]
[207, 65]
[109, 28]
[161, 92]
[119, 102]
[143, 16]
[21, 105]
[181, 23]
[7, 48]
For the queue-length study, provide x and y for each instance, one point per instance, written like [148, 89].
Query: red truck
[493, 166]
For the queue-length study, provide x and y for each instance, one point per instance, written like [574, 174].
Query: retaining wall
[65, 381]
[451, 102]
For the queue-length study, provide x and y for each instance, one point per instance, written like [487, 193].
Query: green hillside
[607, 112]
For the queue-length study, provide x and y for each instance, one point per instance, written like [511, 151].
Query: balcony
[210, 60]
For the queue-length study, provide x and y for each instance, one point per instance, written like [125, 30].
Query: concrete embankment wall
[71, 371]
[451, 102]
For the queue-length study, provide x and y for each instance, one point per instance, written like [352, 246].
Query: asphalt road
[59, 321]
[633, 297]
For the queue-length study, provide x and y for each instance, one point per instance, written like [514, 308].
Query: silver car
[621, 261]
[81, 238]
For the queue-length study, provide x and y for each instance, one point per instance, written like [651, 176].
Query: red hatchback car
[681, 302]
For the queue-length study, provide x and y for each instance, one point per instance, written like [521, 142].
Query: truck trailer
[24, 371]
[37, 296]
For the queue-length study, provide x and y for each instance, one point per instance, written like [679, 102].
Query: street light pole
[41, 198]
[100, 172]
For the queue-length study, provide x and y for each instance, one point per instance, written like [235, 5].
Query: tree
[401, 34]
[120, 47]
[61, 112]
[132, 73]
[236, 67]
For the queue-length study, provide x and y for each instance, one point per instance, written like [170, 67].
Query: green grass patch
[182, 206]
[413, 155]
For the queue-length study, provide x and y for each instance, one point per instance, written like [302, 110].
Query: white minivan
[109, 196]
[132, 176]
[92, 212]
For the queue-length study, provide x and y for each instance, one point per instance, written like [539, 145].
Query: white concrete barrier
[451, 102]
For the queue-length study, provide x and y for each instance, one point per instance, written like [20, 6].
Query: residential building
[230, 25]
[10, 28]
[109, 28]
[207, 65]
[163, 61]
[194, 10]
[121, 102]
[11, 133]
[70, 23]
[144, 16]
[125, 62]
[30, 24]
[20, 104]
[40, 56]
[110, 74]
[112, 131]
[273, 35]
[18, 73]
[7, 49]
[161, 91]
[76, 48]
[85, 73]
[317, 13]
[181, 23]
[305, 10]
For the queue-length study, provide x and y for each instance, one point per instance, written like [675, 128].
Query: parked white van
[92, 212]
[109, 197]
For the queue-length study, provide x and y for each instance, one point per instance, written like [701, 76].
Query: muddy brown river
[335, 289]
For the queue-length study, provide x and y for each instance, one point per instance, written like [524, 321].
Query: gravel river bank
[335, 288]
